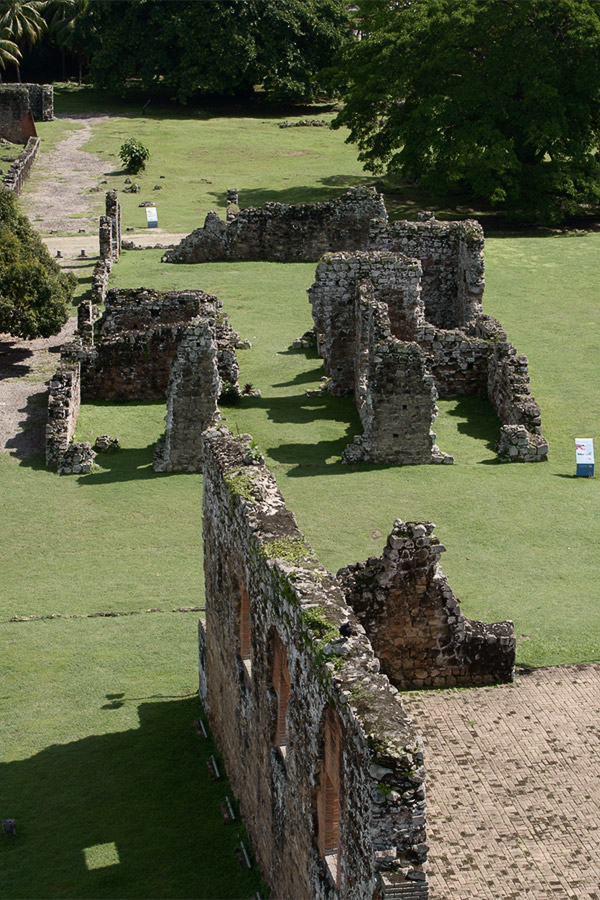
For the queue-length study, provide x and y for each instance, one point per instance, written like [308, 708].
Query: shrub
[133, 155]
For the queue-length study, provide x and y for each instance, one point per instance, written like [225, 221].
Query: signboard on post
[152, 217]
[584, 452]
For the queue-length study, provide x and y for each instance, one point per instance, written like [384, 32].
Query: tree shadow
[144, 794]
[333, 187]
[12, 359]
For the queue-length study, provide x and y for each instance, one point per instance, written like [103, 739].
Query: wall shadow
[126, 464]
[30, 439]
[146, 791]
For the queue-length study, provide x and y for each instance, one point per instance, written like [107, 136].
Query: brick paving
[514, 787]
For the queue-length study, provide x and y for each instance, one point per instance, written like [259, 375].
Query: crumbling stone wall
[109, 240]
[68, 457]
[192, 397]
[41, 98]
[395, 394]
[16, 119]
[414, 621]
[284, 233]
[19, 170]
[322, 758]
[397, 282]
[137, 338]
[475, 358]
[452, 261]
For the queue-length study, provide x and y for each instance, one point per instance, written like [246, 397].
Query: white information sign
[152, 217]
[584, 451]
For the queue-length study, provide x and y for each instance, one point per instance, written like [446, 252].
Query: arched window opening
[281, 685]
[245, 630]
[328, 797]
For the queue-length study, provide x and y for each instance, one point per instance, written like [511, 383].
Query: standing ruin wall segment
[299, 671]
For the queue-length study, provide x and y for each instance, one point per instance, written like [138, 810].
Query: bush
[133, 155]
[34, 293]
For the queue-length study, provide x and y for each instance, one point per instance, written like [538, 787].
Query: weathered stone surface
[285, 667]
[284, 233]
[192, 396]
[18, 171]
[68, 457]
[413, 619]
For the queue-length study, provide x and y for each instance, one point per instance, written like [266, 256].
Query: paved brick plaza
[514, 787]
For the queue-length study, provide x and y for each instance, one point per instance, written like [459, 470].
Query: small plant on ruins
[248, 388]
[290, 550]
[230, 394]
[240, 485]
[133, 155]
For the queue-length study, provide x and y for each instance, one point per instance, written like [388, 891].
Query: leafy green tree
[34, 293]
[133, 155]
[62, 17]
[23, 22]
[500, 99]
[222, 48]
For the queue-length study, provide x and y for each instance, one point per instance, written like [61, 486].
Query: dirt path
[62, 179]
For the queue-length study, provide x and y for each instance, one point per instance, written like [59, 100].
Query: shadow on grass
[145, 793]
[479, 420]
[333, 187]
[127, 464]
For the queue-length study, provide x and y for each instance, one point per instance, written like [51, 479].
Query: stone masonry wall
[192, 397]
[395, 394]
[41, 99]
[16, 120]
[452, 260]
[413, 619]
[64, 397]
[137, 338]
[19, 170]
[396, 280]
[109, 241]
[284, 233]
[286, 668]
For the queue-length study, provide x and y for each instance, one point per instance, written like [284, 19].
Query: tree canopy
[499, 99]
[213, 48]
[34, 293]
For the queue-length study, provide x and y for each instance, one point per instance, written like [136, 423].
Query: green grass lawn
[102, 768]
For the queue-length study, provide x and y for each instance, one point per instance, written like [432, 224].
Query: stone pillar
[113, 212]
[232, 203]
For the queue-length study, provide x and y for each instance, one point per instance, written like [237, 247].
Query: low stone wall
[413, 619]
[192, 397]
[452, 260]
[395, 394]
[396, 281]
[284, 233]
[19, 170]
[68, 457]
[326, 766]
[109, 241]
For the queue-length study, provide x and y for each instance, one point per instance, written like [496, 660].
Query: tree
[500, 99]
[133, 155]
[222, 48]
[22, 20]
[9, 52]
[62, 17]
[34, 293]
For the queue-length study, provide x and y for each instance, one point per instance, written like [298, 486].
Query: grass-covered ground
[103, 770]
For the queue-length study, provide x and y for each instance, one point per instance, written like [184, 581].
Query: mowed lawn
[103, 770]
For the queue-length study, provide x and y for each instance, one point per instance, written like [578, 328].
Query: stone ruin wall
[109, 241]
[475, 358]
[40, 98]
[395, 395]
[414, 621]
[19, 170]
[192, 396]
[16, 119]
[283, 233]
[136, 340]
[284, 665]
[68, 457]
[452, 261]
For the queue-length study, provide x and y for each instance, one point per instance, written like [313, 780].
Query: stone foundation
[413, 619]
[40, 97]
[283, 233]
[327, 768]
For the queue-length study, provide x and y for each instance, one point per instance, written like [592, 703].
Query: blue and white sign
[152, 217]
[584, 452]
